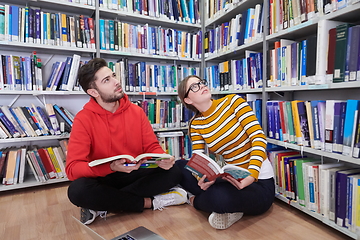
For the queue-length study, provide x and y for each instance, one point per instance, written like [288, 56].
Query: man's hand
[166, 163]
[205, 185]
[240, 184]
[119, 166]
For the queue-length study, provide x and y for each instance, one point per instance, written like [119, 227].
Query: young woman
[228, 127]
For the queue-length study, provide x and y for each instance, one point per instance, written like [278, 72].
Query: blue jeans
[223, 197]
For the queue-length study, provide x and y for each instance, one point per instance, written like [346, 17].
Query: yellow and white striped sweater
[231, 129]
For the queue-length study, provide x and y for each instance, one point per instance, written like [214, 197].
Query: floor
[46, 213]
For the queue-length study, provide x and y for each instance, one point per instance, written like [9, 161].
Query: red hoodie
[98, 133]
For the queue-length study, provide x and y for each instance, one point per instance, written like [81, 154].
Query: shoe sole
[85, 215]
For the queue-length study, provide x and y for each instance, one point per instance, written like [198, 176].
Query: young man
[110, 125]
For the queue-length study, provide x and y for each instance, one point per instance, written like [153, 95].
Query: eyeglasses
[195, 87]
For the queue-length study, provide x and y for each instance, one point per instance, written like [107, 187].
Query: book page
[236, 172]
[156, 156]
[109, 159]
[201, 166]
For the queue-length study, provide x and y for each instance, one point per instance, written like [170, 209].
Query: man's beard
[110, 98]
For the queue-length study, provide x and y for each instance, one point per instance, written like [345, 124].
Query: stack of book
[33, 25]
[147, 77]
[287, 14]
[33, 121]
[331, 125]
[45, 163]
[244, 28]
[153, 40]
[236, 75]
[21, 73]
[331, 56]
[186, 11]
[330, 189]
[165, 113]
[64, 75]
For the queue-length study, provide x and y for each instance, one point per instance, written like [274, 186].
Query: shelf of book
[303, 149]
[243, 91]
[170, 129]
[317, 71]
[230, 9]
[10, 45]
[33, 139]
[149, 19]
[64, 3]
[346, 14]
[342, 85]
[148, 56]
[31, 183]
[51, 53]
[39, 93]
[317, 216]
[232, 53]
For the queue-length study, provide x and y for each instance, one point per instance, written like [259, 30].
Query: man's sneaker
[87, 216]
[224, 220]
[174, 196]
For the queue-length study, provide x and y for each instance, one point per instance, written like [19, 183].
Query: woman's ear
[188, 101]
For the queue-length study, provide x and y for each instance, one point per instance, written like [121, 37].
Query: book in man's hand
[201, 164]
[151, 158]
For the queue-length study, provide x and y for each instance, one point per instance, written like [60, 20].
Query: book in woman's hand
[201, 164]
[152, 158]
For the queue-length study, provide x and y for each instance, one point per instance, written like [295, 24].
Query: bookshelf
[50, 53]
[308, 92]
[263, 43]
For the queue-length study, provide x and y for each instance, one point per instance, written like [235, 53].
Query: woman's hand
[119, 166]
[205, 185]
[166, 163]
[240, 184]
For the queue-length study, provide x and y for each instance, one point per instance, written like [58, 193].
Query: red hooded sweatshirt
[98, 133]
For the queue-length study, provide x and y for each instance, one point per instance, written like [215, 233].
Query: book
[156, 156]
[311, 49]
[340, 52]
[201, 164]
[331, 54]
[322, 54]
[324, 187]
[341, 195]
[349, 124]
[339, 119]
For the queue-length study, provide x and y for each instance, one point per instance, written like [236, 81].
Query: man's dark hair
[87, 73]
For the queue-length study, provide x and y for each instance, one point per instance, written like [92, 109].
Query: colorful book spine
[37, 37]
[8, 124]
[339, 119]
[352, 107]
[340, 52]
[62, 114]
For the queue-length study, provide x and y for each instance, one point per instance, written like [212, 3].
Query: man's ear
[92, 92]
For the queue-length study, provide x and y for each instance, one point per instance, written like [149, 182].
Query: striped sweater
[231, 129]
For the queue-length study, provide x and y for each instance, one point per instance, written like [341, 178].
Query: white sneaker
[174, 196]
[87, 216]
[224, 220]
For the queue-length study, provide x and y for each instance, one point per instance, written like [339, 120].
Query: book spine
[7, 123]
[46, 120]
[57, 109]
[340, 52]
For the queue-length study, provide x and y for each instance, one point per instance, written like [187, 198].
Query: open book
[201, 164]
[152, 158]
